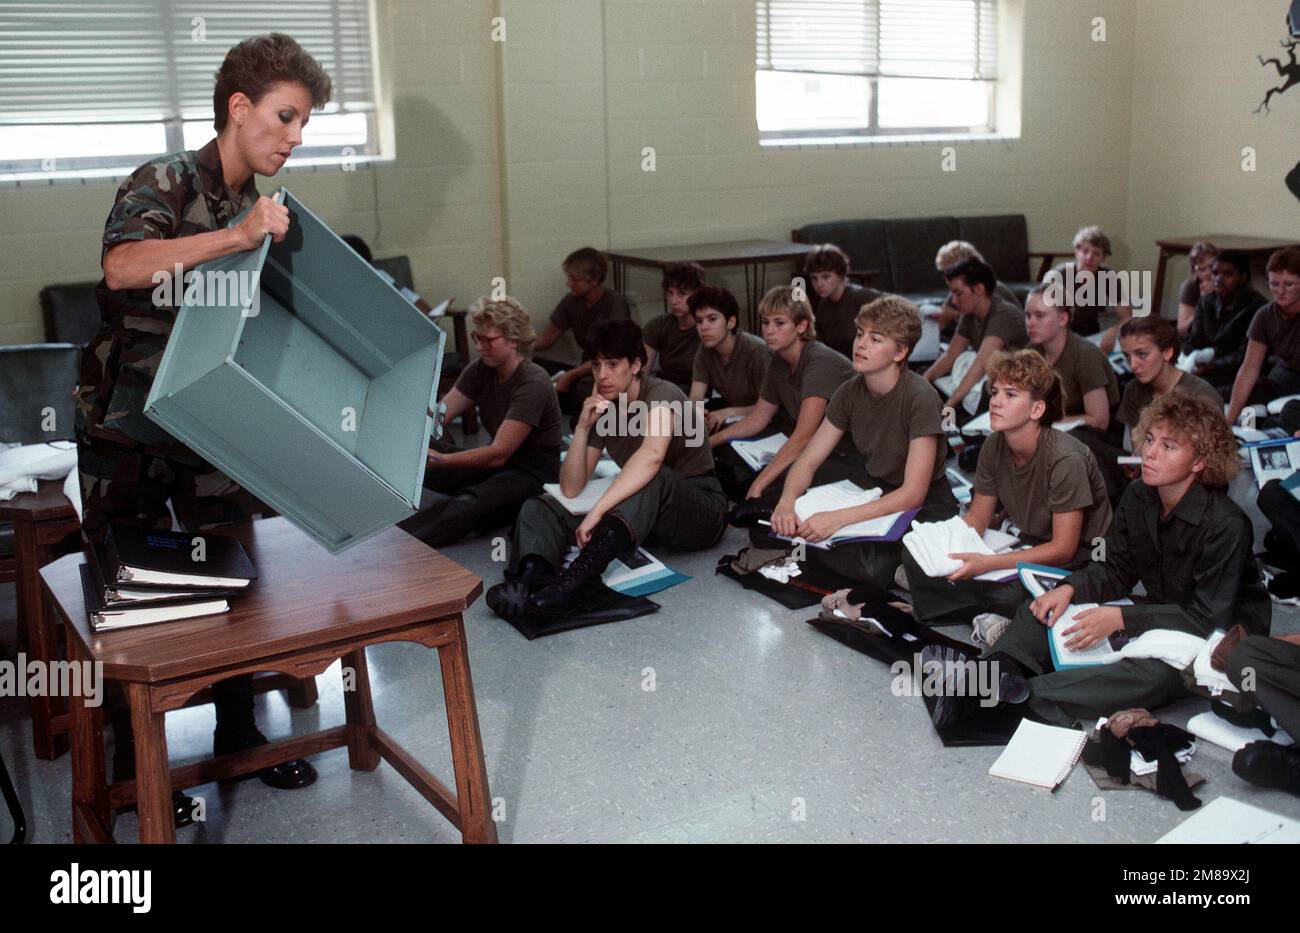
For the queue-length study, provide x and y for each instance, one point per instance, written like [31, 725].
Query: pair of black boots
[536, 589]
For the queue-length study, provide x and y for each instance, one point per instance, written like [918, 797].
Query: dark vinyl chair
[70, 312]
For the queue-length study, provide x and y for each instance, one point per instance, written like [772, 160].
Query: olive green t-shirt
[527, 396]
[820, 372]
[1083, 367]
[1062, 476]
[835, 320]
[1282, 336]
[882, 427]
[573, 314]
[1004, 320]
[1138, 396]
[684, 455]
[740, 378]
[675, 348]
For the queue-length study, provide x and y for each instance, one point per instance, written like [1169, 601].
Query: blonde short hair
[1093, 236]
[895, 317]
[507, 316]
[782, 300]
[953, 252]
[1199, 422]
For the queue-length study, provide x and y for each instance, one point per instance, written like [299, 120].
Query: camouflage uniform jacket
[172, 196]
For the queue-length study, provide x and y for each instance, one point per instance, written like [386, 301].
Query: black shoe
[1280, 551]
[1267, 764]
[532, 569]
[564, 596]
[1013, 680]
[749, 513]
[288, 776]
[509, 599]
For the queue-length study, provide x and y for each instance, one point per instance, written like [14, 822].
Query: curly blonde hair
[507, 316]
[781, 300]
[1200, 423]
[1029, 371]
[895, 317]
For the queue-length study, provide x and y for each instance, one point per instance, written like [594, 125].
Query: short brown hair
[1200, 423]
[1162, 332]
[781, 300]
[895, 317]
[1094, 236]
[1286, 259]
[508, 316]
[1200, 250]
[587, 262]
[255, 64]
[683, 276]
[953, 252]
[826, 258]
[1029, 371]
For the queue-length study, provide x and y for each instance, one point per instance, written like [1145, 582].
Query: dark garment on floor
[1276, 665]
[940, 601]
[1282, 511]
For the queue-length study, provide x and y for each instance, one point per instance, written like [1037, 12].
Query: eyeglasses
[482, 341]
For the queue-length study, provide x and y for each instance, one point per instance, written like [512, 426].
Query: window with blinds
[87, 85]
[842, 69]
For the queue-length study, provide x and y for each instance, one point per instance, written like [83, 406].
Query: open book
[1040, 755]
[758, 452]
[1274, 459]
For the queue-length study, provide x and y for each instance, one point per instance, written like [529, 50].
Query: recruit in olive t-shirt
[675, 348]
[739, 379]
[1004, 320]
[684, 455]
[836, 320]
[820, 372]
[1189, 293]
[573, 314]
[1138, 396]
[1282, 336]
[1083, 367]
[527, 396]
[883, 426]
[1061, 476]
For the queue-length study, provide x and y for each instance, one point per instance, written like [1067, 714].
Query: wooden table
[41, 520]
[1255, 247]
[308, 609]
[753, 255]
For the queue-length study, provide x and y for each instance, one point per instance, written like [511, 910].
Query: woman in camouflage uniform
[176, 210]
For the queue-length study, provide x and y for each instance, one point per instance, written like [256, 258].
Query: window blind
[879, 38]
[79, 61]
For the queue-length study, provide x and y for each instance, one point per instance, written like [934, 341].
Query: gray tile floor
[757, 729]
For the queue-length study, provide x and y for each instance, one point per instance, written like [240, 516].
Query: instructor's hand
[266, 217]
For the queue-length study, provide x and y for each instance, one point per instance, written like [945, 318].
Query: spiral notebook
[1040, 755]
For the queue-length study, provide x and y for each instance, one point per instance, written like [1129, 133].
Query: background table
[1255, 247]
[753, 255]
[41, 520]
[307, 609]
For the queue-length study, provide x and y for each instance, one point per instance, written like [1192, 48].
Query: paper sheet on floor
[1227, 821]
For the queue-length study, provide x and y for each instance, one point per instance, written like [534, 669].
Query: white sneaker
[988, 628]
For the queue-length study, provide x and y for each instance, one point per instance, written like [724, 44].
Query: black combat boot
[565, 595]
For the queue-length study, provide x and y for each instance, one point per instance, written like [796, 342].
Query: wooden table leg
[91, 817]
[33, 616]
[359, 710]
[303, 694]
[153, 776]
[472, 794]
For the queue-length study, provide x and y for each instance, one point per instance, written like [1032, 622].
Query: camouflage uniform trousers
[121, 484]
